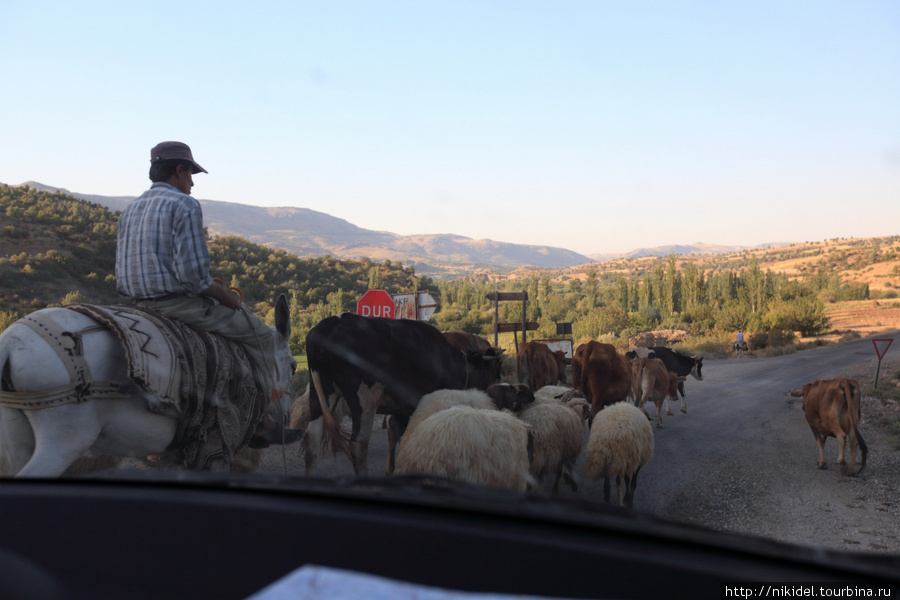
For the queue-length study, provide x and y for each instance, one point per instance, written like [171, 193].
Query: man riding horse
[162, 262]
[126, 381]
[740, 345]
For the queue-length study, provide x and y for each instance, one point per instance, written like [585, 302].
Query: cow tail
[639, 392]
[853, 404]
[522, 373]
[331, 429]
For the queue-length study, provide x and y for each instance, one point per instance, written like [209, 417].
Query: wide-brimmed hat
[175, 151]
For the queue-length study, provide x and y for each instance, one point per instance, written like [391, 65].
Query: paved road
[742, 452]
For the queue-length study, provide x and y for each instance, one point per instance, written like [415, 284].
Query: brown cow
[601, 374]
[832, 409]
[650, 381]
[537, 365]
[672, 393]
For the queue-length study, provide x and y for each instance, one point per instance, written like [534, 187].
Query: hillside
[310, 233]
[56, 248]
[857, 261]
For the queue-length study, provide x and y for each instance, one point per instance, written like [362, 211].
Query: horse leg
[16, 441]
[61, 436]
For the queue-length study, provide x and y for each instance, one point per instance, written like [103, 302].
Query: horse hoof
[684, 410]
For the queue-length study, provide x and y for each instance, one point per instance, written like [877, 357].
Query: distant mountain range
[307, 232]
[680, 249]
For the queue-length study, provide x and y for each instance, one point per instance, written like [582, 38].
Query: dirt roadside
[772, 488]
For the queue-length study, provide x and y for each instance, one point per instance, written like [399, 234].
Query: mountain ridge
[307, 232]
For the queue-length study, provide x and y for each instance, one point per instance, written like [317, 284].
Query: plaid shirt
[161, 247]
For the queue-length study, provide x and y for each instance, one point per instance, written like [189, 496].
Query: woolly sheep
[552, 393]
[487, 447]
[300, 411]
[620, 443]
[558, 394]
[558, 431]
[442, 400]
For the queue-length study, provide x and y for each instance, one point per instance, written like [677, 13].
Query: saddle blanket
[207, 379]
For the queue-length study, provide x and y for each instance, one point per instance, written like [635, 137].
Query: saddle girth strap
[66, 394]
[66, 344]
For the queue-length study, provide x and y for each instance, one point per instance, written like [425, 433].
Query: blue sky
[597, 126]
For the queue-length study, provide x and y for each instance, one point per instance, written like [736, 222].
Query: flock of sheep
[468, 435]
[481, 437]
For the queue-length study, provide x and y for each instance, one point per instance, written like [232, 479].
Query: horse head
[273, 427]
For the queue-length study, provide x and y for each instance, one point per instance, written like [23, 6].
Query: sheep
[442, 400]
[552, 393]
[558, 438]
[300, 411]
[620, 443]
[482, 446]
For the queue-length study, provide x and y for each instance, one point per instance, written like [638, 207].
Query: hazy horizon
[598, 127]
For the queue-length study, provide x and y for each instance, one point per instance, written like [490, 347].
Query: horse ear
[282, 317]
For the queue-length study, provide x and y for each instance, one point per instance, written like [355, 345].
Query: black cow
[682, 365]
[387, 365]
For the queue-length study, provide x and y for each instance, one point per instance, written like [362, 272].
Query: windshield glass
[684, 213]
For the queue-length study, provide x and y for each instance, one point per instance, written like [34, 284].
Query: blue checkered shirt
[161, 247]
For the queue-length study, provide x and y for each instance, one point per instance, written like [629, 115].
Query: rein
[276, 393]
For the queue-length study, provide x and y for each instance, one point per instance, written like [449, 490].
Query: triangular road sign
[882, 345]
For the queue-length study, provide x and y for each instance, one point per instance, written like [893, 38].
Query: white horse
[44, 442]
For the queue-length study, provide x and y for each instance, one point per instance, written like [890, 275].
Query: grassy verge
[889, 393]
[885, 390]
[890, 425]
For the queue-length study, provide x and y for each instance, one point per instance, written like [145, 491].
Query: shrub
[732, 317]
[806, 315]
[7, 318]
[299, 381]
[758, 340]
[777, 338]
[715, 344]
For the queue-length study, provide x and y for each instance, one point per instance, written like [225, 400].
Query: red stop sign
[375, 303]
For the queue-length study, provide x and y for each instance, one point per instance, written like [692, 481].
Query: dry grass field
[865, 317]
